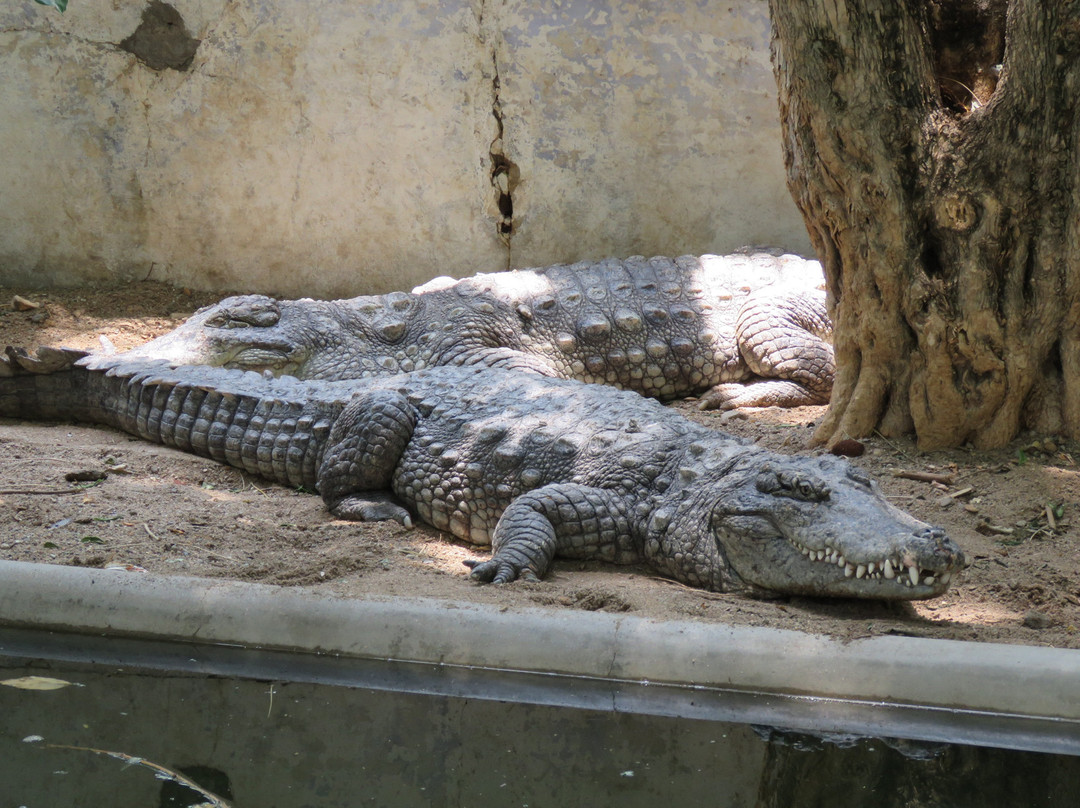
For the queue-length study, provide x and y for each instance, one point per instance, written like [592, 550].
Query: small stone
[20, 303]
[944, 502]
[1037, 620]
[848, 448]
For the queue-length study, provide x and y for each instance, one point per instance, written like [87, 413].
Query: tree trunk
[933, 147]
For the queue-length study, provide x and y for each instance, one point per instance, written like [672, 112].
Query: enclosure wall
[344, 147]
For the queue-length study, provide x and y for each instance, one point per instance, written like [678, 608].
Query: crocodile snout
[936, 551]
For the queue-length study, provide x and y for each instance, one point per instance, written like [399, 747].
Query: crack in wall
[504, 174]
[97, 44]
[160, 41]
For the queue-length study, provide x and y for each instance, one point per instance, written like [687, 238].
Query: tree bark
[933, 147]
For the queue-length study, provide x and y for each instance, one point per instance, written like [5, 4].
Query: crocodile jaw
[278, 357]
[906, 573]
[819, 527]
[907, 565]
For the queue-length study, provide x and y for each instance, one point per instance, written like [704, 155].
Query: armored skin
[739, 330]
[536, 467]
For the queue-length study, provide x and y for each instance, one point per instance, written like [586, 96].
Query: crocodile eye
[399, 301]
[793, 484]
[254, 318]
[246, 315]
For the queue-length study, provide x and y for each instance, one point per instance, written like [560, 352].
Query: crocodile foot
[499, 571]
[764, 393]
[371, 508]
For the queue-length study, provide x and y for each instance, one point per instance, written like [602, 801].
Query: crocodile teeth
[875, 570]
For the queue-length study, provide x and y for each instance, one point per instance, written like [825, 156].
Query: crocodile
[662, 327]
[535, 467]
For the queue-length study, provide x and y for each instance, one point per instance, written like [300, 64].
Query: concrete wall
[344, 147]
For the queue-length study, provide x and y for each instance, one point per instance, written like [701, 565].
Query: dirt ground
[1014, 512]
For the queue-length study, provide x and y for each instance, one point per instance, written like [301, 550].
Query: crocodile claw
[499, 571]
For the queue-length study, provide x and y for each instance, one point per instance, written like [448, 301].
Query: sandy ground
[1014, 512]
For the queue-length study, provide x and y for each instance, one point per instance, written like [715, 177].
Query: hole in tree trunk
[931, 258]
[969, 45]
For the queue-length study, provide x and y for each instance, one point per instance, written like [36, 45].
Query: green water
[262, 743]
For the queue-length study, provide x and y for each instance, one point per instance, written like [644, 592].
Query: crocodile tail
[275, 428]
[48, 385]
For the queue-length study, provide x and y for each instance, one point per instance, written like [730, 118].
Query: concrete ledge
[936, 675]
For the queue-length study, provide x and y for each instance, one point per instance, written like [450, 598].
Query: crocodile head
[820, 527]
[303, 338]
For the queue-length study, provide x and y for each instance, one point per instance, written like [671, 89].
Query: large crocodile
[662, 327]
[535, 467]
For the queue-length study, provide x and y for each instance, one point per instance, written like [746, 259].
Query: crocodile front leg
[363, 449]
[783, 341]
[564, 519]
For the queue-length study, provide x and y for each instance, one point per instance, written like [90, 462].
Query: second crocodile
[743, 330]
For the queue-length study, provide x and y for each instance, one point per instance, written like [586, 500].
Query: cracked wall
[269, 145]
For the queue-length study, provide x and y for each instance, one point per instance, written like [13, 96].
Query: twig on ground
[705, 593]
[925, 476]
[13, 491]
[892, 444]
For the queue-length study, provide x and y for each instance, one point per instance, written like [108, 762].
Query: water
[345, 737]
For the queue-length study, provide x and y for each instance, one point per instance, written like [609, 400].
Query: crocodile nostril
[931, 533]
